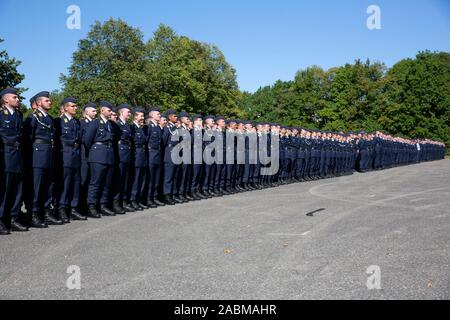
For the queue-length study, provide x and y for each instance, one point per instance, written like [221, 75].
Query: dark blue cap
[154, 108]
[42, 94]
[138, 109]
[32, 99]
[197, 117]
[219, 118]
[90, 105]
[106, 104]
[123, 106]
[209, 117]
[69, 100]
[170, 112]
[8, 91]
[164, 115]
[183, 114]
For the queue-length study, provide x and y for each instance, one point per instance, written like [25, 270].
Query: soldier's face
[70, 108]
[198, 123]
[221, 123]
[173, 118]
[162, 122]
[125, 114]
[44, 103]
[139, 117]
[12, 100]
[155, 115]
[106, 112]
[91, 112]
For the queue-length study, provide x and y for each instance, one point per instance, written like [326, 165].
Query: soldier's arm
[89, 135]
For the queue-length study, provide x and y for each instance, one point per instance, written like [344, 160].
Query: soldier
[11, 129]
[197, 156]
[98, 139]
[89, 114]
[250, 156]
[184, 174]
[221, 168]
[40, 131]
[154, 140]
[122, 168]
[69, 133]
[139, 161]
[27, 185]
[170, 137]
[208, 172]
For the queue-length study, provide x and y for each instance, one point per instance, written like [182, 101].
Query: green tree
[108, 65]
[418, 97]
[115, 64]
[9, 75]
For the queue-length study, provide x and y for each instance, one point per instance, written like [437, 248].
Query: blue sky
[265, 41]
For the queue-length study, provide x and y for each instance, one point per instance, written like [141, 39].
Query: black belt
[140, 146]
[71, 144]
[127, 143]
[108, 144]
[12, 144]
[43, 141]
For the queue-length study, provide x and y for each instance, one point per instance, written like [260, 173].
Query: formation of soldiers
[121, 159]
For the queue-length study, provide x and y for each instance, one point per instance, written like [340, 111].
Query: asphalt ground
[311, 240]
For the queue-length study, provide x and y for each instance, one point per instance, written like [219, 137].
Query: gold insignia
[5, 112]
[65, 120]
[101, 121]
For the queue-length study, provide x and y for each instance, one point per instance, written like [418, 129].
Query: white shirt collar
[11, 110]
[45, 113]
[68, 116]
[137, 124]
[103, 118]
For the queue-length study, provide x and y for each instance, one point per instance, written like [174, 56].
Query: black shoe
[51, 220]
[183, 198]
[151, 204]
[36, 222]
[17, 227]
[128, 208]
[4, 230]
[176, 199]
[63, 215]
[213, 193]
[143, 205]
[157, 202]
[192, 196]
[230, 190]
[201, 195]
[195, 196]
[117, 209]
[76, 216]
[93, 213]
[106, 211]
[218, 192]
[169, 201]
[224, 192]
[135, 206]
